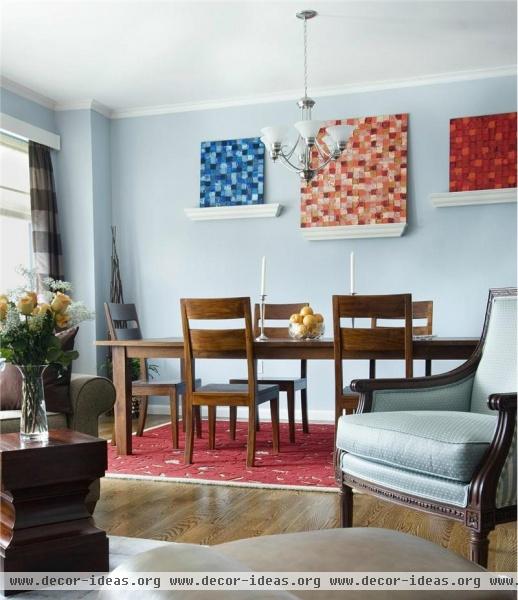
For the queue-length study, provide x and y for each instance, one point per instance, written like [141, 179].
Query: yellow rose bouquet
[29, 324]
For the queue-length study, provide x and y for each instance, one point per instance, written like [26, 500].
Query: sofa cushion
[445, 444]
[10, 421]
[56, 382]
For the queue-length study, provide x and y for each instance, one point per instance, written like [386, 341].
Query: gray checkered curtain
[44, 214]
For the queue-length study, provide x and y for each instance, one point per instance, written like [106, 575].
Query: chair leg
[428, 367]
[142, 415]
[114, 435]
[189, 434]
[173, 404]
[183, 412]
[479, 547]
[274, 411]
[257, 422]
[346, 506]
[233, 420]
[304, 408]
[290, 392]
[250, 449]
[212, 427]
[197, 420]
[338, 414]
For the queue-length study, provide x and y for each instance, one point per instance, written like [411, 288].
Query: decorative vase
[33, 422]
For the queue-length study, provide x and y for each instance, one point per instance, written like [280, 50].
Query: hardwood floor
[204, 514]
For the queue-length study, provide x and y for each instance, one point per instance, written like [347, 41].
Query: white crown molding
[27, 131]
[245, 211]
[355, 88]
[25, 92]
[353, 231]
[499, 196]
[469, 75]
[90, 104]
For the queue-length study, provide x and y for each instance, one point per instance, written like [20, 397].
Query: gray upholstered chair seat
[443, 444]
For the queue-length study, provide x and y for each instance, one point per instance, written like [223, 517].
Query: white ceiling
[138, 54]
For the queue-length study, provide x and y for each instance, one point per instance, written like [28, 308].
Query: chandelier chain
[305, 58]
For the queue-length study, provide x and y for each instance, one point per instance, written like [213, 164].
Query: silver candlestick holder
[262, 337]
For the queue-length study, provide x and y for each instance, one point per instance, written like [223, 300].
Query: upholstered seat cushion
[445, 444]
[284, 383]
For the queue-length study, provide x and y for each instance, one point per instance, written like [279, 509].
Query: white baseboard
[314, 416]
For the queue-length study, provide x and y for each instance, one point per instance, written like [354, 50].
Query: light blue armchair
[444, 444]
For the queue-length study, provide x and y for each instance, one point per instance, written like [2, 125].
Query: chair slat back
[119, 317]
[217, 343]
[276, 312]
[389, 342]
[421, 309]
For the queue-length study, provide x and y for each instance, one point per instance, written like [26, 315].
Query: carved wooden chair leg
[233, 420]
[250, 450]
[479, 547]
[142, 414]
[274, 411]
[290, 392]
[346, 506]
[304, 408]
[212, 427]
[173, 404]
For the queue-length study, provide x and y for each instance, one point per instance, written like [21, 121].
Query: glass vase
[33, 422]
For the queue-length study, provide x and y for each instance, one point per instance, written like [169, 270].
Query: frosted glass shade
[340, 133]
[266, 143]
[274, 135]
[308, 129]
[329, 142]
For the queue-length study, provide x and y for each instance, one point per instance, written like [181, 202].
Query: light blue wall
[74, 187]
[27, 110]
[449, 255]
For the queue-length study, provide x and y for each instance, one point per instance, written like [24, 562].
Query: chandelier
[307, 155]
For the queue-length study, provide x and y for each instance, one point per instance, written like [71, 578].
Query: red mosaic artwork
[483, 152]
[368, 185]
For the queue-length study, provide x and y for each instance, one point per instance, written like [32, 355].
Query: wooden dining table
[430, 348]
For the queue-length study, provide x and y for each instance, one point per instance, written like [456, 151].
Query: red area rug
[308, 463]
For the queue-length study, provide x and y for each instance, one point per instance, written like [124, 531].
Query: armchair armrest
[502, 402]
[90, 396]
[446, 391]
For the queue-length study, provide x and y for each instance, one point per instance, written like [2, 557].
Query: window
[15, 211]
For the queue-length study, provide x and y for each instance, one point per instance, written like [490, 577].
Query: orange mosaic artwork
[368, 185]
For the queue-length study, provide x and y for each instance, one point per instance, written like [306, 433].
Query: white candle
[351, 261]
[263, 276]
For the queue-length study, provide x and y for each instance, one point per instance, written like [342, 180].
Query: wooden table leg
[122, 383]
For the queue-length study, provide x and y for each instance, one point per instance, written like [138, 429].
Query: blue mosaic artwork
[232, 172]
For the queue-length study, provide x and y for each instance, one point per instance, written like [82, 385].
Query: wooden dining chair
[421, 310]
[290, 385]
[231, 344]
[123, 324]
[369, 342]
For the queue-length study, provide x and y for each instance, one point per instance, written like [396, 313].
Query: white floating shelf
[354, 231]
[499, 196]
[246, 211]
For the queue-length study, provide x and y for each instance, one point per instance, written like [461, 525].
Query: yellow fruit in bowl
[306, 310]
[302, 330]
[319, 318]
[296, 318]
[309, 321]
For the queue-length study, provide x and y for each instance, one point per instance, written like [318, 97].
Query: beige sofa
[331, 550]
[90, 397]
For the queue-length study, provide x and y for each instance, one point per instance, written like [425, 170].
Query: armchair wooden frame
[224, 343]
[480, 515]
[359, 341]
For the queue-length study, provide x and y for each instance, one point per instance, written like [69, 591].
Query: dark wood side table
[44, 523]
